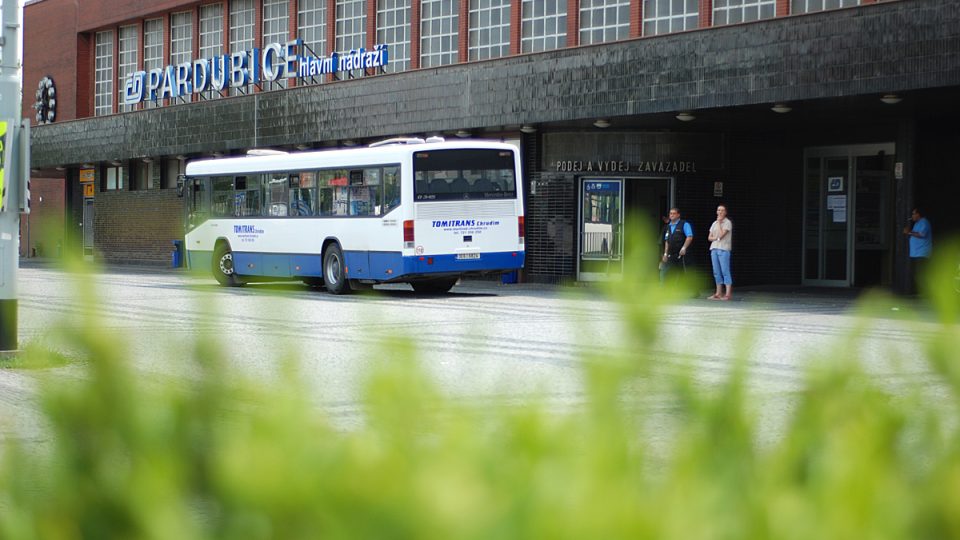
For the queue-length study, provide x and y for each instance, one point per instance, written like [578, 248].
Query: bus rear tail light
[408, 234]
[521, 229]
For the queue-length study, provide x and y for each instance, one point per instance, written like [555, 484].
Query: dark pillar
[8, 324]
[906, 150]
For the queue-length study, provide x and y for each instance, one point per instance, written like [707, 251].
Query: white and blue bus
[401, 211]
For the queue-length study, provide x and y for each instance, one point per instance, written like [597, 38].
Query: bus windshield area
[446, 175]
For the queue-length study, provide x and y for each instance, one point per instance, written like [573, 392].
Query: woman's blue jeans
[721, 266]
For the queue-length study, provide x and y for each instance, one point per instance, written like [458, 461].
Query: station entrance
[611, 208]
[849, 229]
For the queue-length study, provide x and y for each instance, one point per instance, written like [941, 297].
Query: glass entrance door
[840, 233]
[601, 229]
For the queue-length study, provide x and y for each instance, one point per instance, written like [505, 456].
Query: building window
[172, 168]
[393, 29]
[312, 25]
[241, 33]
[211, 37]
[543, 26]
[351, 29]
[605, 20]
[489, 29]
[142, 175]
[152, 51]
[666, 16]
[113, 178]
[103, 90]
[737, 11]
[276, 29]
[439, 20]
[808, 6]
[127, 56]
[181, 40]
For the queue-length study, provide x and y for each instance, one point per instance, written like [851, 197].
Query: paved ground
[484, 340]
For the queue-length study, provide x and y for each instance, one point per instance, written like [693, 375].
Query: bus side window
[331, 184]
[302, 194]
[277, 198]
[325, 206]
[391, 188]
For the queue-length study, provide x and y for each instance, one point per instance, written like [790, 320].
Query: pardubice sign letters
[238, 69]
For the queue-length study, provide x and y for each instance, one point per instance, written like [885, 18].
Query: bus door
[601, 229]
[196, 207]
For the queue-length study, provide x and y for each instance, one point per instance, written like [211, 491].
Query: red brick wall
[415, 34]
[515, 26]
[573, 23]
[51, 27]
[783, 8]
[99, 14]
[463, 41]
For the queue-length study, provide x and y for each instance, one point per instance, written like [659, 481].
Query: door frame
[671, 198]
[851, 152]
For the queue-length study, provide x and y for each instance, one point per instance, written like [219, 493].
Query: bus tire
[333, 275]
[223, 270]
[434, 286]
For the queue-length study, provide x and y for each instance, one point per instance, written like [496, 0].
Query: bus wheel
[333, 275]
[434, 286]
[223, 267]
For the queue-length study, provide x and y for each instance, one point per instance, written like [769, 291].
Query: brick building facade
[754, 108]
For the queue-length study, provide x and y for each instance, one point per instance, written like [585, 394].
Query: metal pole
[10, 112]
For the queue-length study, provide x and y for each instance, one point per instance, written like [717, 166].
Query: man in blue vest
[677, 237]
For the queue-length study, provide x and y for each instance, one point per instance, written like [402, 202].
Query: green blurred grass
[223, 456]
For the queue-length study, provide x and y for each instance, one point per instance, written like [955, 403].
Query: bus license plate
[464, 256]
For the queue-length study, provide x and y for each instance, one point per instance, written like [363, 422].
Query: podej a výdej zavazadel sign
[238, 69]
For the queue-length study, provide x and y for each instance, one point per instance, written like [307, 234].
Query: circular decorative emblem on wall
[46, 104]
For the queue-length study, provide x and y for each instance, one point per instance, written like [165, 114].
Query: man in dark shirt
[677, 237]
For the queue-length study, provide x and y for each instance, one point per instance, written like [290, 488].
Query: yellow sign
[87, 175]
[88, 190]
[3, 164]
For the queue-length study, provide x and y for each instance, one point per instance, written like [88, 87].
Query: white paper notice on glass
[840, 216]
[836, 202]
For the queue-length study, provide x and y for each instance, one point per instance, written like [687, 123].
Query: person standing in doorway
[721, 244]
[921, 246]
[677, 237]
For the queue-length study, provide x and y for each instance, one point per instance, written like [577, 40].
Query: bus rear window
[444, 175]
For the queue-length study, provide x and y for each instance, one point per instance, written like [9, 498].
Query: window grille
[439, 22]
[103, 86]
[211, 37]
[152, 52]
[666, 16]
[489, 34]
[543, 25]
[393, 29]
[737, 11]
[602, 21]
[127, 56]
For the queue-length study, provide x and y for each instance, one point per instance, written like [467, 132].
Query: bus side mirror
[181, 182]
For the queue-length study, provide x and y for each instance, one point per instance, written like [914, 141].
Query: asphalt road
[482, 340]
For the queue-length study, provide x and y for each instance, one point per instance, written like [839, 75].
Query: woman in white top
[721, 244]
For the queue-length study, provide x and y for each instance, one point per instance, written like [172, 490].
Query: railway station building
[820, 124]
